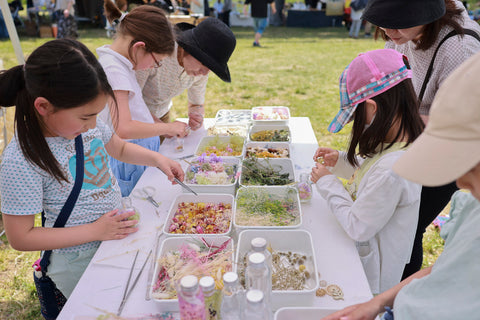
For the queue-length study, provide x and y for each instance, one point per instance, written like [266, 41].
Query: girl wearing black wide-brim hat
[199, 50]
[436, 35]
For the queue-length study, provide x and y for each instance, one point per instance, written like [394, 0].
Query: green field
[298, 68]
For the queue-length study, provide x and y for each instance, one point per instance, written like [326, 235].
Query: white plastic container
[228, 130]
[270, 115]
[217, 188]
[275, 145]
[285, 240]
[276, 193]
[223, 140]
[233, 117]
[174, 244]
[291, 313]
[202, 197]
[263, 127]
[285, 166]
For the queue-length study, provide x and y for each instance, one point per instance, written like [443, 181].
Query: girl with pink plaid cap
[378, 209]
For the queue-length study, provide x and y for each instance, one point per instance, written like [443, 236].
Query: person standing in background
[259, 13]
[227, 8]
[357, 7]
[218, 9]
[63, 8]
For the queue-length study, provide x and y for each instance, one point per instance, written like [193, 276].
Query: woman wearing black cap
[436, 36]
[200, 50]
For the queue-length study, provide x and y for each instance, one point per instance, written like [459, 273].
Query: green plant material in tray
[258, 207]
[258, 173]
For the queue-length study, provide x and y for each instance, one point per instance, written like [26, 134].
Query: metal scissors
[146, 193]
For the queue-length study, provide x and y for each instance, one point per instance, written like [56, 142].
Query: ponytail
[13, 82]
[144, 23]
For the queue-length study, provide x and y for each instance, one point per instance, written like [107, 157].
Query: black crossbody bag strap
[71, 200]
[430, 67]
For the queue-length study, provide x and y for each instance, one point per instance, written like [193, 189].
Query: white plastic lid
[230, 278]
[207, 283]
[256, 258]
[254, 296]
[189, 283]
[259, 244]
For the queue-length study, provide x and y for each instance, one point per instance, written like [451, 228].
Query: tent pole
[12, 31]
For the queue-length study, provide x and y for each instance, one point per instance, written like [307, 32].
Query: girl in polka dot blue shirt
[58, 94]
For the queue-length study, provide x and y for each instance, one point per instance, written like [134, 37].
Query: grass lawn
[298, 68]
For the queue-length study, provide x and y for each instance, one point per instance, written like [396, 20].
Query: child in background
[380, 209]
[447, 150]
[58, 94]
[144, 37]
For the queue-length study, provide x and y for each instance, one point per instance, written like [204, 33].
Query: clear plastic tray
[202, 197]
[233, 117]
[174, 244]
[217, 188]
[274, 145]
[270, 115]
[285, 240]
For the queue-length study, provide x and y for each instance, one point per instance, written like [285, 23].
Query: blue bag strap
[71, 200]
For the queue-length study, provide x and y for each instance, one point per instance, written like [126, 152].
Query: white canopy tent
[12, 31]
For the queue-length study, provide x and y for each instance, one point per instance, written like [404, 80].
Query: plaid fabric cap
[367, 76]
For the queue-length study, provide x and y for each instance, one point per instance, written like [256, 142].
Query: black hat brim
[221, 70]
[401, 14]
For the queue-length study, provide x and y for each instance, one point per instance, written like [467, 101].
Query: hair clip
[116, 22]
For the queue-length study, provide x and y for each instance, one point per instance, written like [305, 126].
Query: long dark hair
[452, 17]
[65, 73]
[144, 23]
[398, 103]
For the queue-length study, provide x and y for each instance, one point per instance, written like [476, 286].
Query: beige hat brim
[434, 161]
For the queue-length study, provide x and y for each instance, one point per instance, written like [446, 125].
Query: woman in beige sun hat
[448, 149]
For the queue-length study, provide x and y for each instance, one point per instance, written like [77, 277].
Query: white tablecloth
[101, 287]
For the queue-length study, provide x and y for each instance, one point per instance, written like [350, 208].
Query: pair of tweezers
[182, 184]
[128, 291]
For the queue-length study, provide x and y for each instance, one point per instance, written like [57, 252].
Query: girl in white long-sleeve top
[377, 208]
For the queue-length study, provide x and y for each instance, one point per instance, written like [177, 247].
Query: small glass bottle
[260, 245]
[258, 276]
[128, 207]
[179, 142]
[256, 308]
[211, 298]
[304, 187]
[190, 299]
[232, 298]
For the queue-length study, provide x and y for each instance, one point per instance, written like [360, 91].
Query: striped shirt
[453, 52]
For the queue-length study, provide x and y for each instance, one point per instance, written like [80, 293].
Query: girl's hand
[113, 226]
[176, 129]
[329, 156]
[172, 169]
[319, 171]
